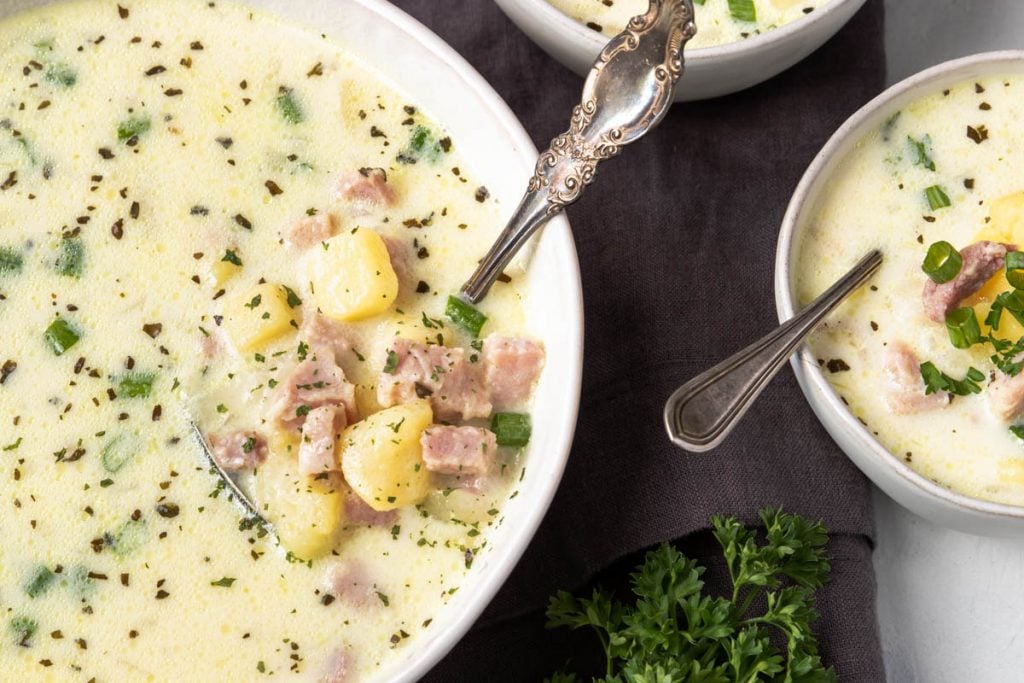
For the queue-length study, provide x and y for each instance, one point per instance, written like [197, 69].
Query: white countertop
[950, 605]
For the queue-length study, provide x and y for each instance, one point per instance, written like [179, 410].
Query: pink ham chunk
[511, 368]
[981, 261]
[337, 667]
[315, 382]
[237, 451]
[905, 393]
[367, 190]
[1006, 396]
[465, 451]
[320, 333]
[317, 452]
[310, 231]
[443, 374]
[349, 582]
[358, 513]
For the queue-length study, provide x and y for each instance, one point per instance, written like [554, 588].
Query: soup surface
[932, 368]
[718, 21]
[216, 223]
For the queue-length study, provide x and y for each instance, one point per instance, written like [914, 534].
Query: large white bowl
[499, 152]
[710, 71]
[890, 473]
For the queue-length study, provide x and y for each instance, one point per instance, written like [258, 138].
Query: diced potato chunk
[1011, 473]
[382, 459]
[306, 514]
[257, 316]
[463, 505]
[351, 276]
[1006, 220]
[222, 271]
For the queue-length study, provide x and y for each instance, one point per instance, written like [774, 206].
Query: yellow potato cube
[382, 459]
[1011, 472]
[982, 300]
[1006, 220]
[222, 271]
[257, 316]
[305, 513]
[351, 276]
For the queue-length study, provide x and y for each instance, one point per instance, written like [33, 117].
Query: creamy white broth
[716, 23]
[877, 198]
[134, 553]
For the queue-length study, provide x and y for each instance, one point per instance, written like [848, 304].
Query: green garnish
[70, 258]
[133, 127]
[922, 152]
[743, 10]
[942, 263]
[392, 363]
[672, 631]
[39, 582]
[1017, 431]
[136, 385]
[963, 328]
[119, 451]
[61, 336]
[10, 261]
[288, 107]
[424, 144]
[937, 197]
[62, 74]
[1015, 269]
[128, 538]
[23, 628]
[226, 582]
[291, 297]
[231, 257]
[465, 315]
[511, 429]
[936, 380]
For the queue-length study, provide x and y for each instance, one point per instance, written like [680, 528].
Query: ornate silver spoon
[628, 91]
[702, 412]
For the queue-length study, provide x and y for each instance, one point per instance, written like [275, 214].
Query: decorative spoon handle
[702, 412]
[627, 93]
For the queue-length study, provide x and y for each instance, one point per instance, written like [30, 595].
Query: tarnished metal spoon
[628, 91]
[702, 412]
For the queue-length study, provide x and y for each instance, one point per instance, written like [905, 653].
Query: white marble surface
[950, 605]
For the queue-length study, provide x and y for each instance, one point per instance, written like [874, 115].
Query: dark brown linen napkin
[677, 243]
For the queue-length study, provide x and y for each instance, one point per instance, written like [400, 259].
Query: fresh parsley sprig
[675, 633]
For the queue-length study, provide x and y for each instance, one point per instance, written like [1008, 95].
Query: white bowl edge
[912, 490]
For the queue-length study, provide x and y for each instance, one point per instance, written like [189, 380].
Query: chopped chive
[61, 336]
[936, 380]
[511, 429]
[942, 263]
[128, 538]
[392, 363]
[10, 261]
[1015, 269]
[38, 582]
[291, 297]
[136, 385]
[922, 152]
[962, 325]
[133, 127]
[232, 258]
[70, 258]
[743, 10]
[226, 582]
[23, 628]
[62, 74]
[119, 451]
[937, 197]
[465, 315]
[1017, 431]
[288, 107]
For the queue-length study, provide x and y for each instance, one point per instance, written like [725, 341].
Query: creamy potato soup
[929, 355]
[718, 21]
[219, 230]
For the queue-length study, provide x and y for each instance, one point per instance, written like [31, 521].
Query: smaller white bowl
[710, 71]
[915, 492]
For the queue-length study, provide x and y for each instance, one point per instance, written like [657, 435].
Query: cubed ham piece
[317, 452]
[981, 261]
[320, 333]
[237, 451]
[441, 373]
[399, 252]
[349, 582]
[1006, 396]
[905, 393]
[358, 513]
[309, 231]
[316, 381]
[465, 451]
[366, 190]
[511, 368]
[337, 667]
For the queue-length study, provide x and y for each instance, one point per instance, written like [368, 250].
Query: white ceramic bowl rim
[807, 370]
[580, 32]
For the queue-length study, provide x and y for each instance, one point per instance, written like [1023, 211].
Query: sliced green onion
[70, 258]
[10, 261]
[937, 197]
[1017, 431]
[288, 107]
[133, 127]
[936, 380]
[465, 315]
[119, 451]
[1015, 269]
[136, 385]
[942, 263]
[61, 74]
[511, 429]
[743, 10]
[962, 325]
[38, 582]
[921, 148]
[61, 336]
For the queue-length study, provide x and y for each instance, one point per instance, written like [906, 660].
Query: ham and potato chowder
[718, 21]
[217, 227]
[929, 355]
